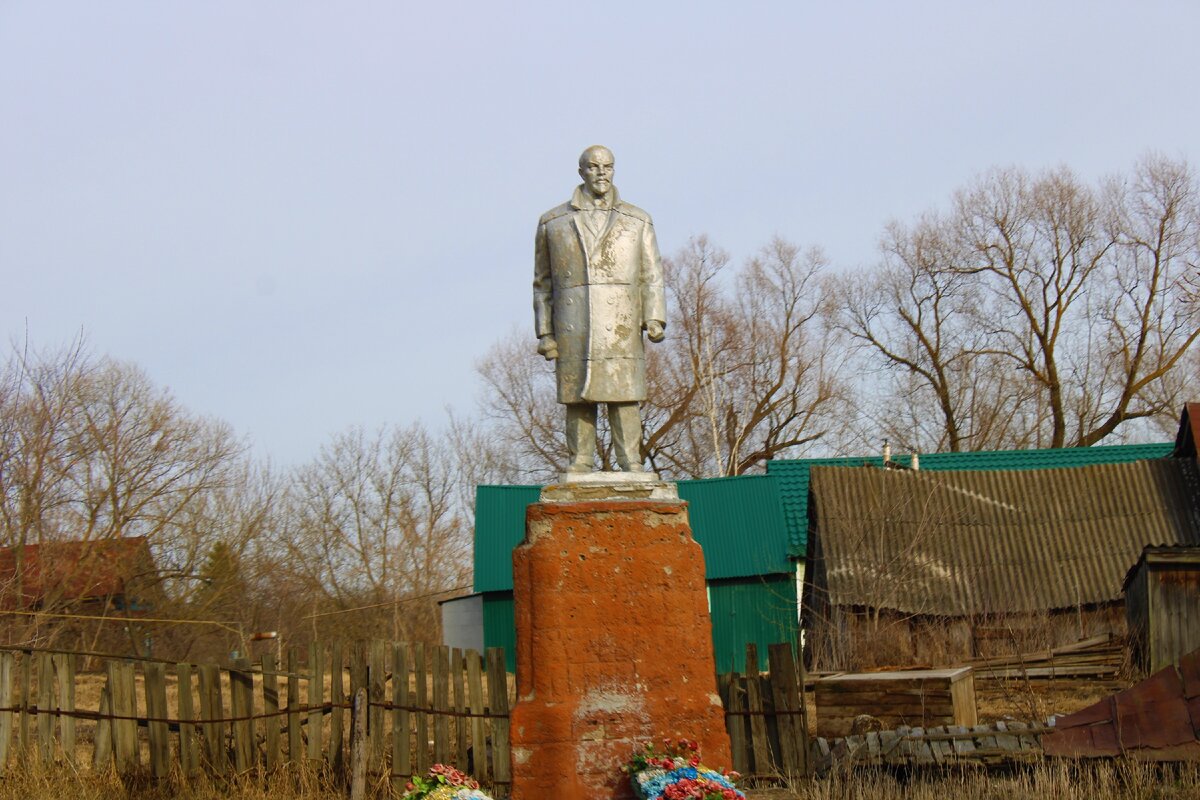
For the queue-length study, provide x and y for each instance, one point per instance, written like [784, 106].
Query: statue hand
[548, 347]
[654, 330]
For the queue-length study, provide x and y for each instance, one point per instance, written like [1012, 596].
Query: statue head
[596, 169]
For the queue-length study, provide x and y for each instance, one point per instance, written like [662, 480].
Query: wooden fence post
[64, 668]
[783, 692]
[25, 719]
[478, 729]
[212, 712]
[103, 755]
[441, 704]
[6, 717]
[157, 729]
[293, 705]
[241, 702]
[358, 746]
[461, 723]
[316, 701]
[758, 722]
[421, 701]
[498, 707]
[376, 694]
[337, 697]
[189, 762]
[45, 704]
[270, 692]
[401, 732]
[123, 695]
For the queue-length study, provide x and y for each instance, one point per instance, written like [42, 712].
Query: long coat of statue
[597, 303]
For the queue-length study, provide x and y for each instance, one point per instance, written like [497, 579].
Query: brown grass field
[1100, 780]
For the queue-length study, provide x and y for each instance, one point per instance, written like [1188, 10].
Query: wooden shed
[1162, 606]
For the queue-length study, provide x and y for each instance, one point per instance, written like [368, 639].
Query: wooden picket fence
[425, 705]
[765, 716]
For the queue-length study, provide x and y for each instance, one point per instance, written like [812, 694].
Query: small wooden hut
[1162, 606]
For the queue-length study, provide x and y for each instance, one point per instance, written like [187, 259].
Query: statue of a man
[597, 284]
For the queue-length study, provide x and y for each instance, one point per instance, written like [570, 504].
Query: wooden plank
[358, 744]
[498, 705]
[401, 729]
[421, 701]
[942, 750]
[964, 743]
[316, 700]
[241, 699]
[64, 670]
[458, 683]
[376, 695]
[6, 716]
[158, 732]
[270, 693]
[921, 752]
[212, 714]
[295, 744]
[45, 702]
[122, 692]
[337, 698]
[441, 704]
[189, 756]
[360, 680]
[1026, 741]
[478, 730]
[760, 748]
[102, 756]
[735, 723]
[25, 720]
[785, 690]
[1006, 741]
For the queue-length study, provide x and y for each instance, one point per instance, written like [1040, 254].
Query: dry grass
[1099, 780]
[1048, 780]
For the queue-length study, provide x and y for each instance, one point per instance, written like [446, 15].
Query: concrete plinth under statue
[614, 642]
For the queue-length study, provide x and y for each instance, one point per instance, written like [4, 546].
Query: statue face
[596, 169]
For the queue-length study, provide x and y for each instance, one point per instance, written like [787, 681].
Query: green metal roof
[793, 475]
[739, 522]
[499, 527]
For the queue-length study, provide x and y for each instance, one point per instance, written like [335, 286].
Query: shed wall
[1174, 614]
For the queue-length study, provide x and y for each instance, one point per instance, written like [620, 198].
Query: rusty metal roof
[972, 542]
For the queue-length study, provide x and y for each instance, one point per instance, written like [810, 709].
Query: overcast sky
[306, 216]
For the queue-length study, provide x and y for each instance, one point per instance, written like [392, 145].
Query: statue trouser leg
[626, 422]
[581, 437]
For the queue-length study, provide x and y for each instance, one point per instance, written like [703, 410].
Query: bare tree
[374, 525]
[91, 453]
[1038, 311]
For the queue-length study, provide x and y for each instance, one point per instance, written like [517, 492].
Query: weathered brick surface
[614, 646]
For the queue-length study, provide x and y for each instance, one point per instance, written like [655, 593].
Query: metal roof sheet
[739, 522]
[793, 474]
[972, 542]
[499, 527]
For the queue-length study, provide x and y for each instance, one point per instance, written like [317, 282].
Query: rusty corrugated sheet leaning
[1157, 719]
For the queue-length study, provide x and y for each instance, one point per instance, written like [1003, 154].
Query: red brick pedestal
[614, 646]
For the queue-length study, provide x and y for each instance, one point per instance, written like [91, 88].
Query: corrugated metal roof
[971, 542]
[794, 478]
[739, 522]
[499, 527]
